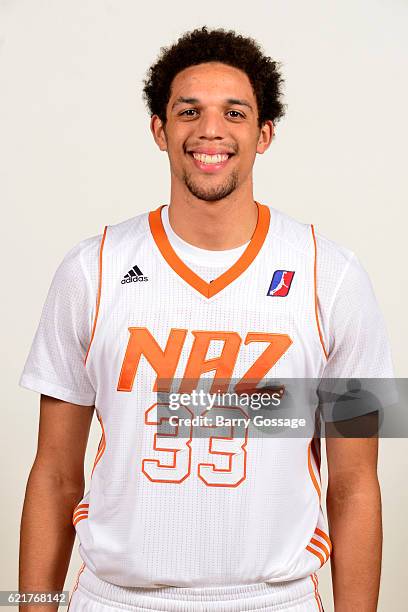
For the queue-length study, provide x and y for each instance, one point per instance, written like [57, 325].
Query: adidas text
[134, 279]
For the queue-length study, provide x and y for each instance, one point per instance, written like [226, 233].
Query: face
[211, 134]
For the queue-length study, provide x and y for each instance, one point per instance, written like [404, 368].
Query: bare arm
[55, 486]
[354, 514]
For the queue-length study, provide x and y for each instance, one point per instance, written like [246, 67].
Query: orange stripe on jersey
[317, 554]
[315, 294]
[321, 546]
[325, 537]
[219, 283]
[98, 298]
[315, 456]
[81, 510]
[81, 569]
[311, 471]
[316, 592]
[102, 444]
[81, 506]
[79, 518]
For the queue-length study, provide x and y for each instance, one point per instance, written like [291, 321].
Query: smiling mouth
[204, 158]
[210, 163]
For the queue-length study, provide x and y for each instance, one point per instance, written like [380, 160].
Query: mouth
[210, 162]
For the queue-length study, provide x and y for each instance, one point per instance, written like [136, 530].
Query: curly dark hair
[228, 47]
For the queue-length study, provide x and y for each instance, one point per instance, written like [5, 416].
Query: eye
[234, 114]
[189, 112]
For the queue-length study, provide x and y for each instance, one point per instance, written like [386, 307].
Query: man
[214, 286]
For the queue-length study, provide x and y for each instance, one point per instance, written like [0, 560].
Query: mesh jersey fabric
[55, 364]
[352, 324]
[257, 520]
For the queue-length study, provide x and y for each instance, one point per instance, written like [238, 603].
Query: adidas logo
[133, 276]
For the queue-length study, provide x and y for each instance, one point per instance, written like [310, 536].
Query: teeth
[210, 159]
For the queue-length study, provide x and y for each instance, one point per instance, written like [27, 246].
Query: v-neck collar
[208, 290]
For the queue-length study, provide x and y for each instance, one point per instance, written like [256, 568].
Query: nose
[211, 125]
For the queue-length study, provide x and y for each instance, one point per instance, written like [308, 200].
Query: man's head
[213, 98]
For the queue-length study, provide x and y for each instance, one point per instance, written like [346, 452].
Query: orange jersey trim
[98, 298]
[311, 471]
[318, 548]
[315, 295]
[81, 511]
[102, 444]
[79, 517]
[219, 283]
[316, 456]
[320, 545]
[317, 554]
[81, 569]
[316, 592]
[325, 537]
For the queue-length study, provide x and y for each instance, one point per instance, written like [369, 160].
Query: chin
[215, 192]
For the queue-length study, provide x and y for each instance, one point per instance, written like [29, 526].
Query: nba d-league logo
[280, 284]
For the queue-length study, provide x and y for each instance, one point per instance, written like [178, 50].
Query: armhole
[316, 301]
[98, 297]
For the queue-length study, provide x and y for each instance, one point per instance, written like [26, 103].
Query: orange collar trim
[219, 283]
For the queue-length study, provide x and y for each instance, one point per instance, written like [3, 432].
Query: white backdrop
[76, 154]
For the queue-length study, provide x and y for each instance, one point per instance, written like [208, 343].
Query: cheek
[177, 145]
[248, 148]
[248, 141]
[174, 149]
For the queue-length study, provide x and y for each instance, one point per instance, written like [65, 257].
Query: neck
[224, 224]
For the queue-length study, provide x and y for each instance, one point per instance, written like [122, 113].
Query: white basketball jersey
[186, 511]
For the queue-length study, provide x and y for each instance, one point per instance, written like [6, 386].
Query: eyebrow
[237, 101]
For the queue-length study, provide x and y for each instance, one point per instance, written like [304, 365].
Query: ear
[265, 136]
[159, 133]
